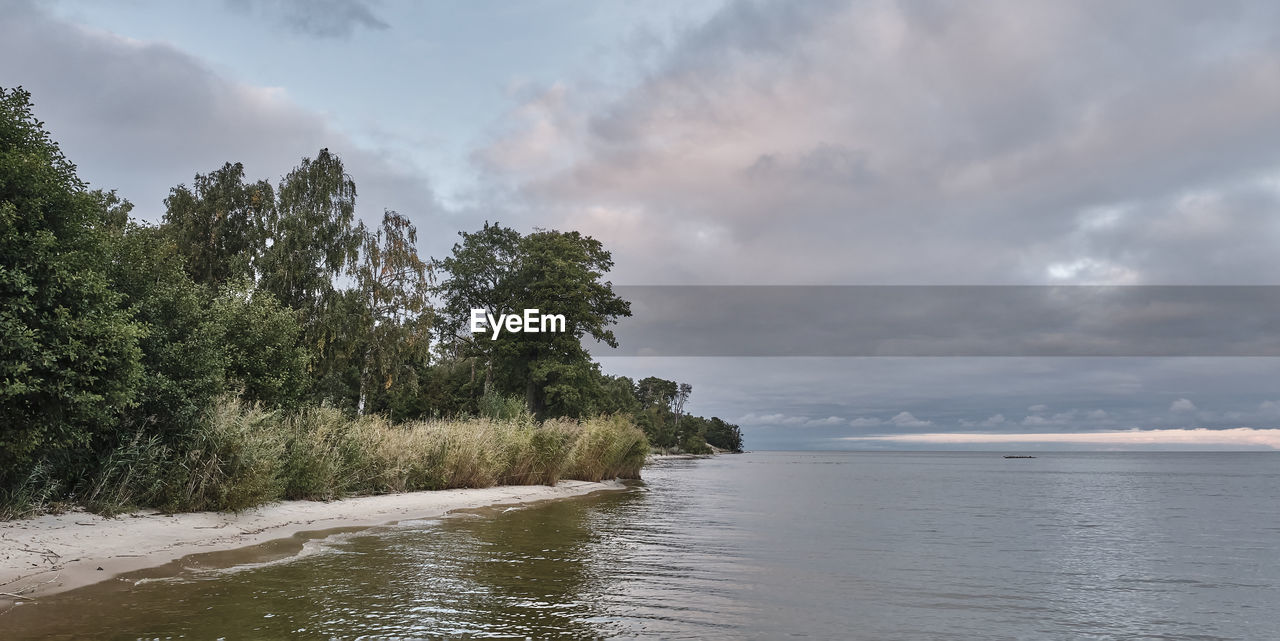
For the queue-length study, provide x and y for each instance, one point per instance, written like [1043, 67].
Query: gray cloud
[318, 18]
[142, 117]
[884, 143]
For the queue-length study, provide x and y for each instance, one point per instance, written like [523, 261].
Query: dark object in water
[1018, 456]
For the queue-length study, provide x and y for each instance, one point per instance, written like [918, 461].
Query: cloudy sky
[754, 143]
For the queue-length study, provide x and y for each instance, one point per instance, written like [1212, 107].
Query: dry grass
[246, 456]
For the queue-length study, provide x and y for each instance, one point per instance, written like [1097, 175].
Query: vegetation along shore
[262, 343]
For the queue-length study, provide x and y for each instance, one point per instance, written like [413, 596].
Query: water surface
[772, 545]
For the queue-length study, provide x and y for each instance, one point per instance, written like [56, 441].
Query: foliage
[723, 435]
[695, 444]
[232, 464]
[605, 446]
[182, 344]
[336, 340]
[499, 270]
[393, 282]
[69, 358]
[246, 455]
[497, 407]
[311, 234]
[265, 363]
[218, 224]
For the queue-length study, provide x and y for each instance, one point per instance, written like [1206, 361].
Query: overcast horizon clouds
[751, 143]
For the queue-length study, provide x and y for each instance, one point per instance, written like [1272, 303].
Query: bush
[68, 352]
[694, 444]
[265, 362]
[236, 462]
[328, 455]
[243, 455]
[495, 406]
[605, 447]
[136, 473]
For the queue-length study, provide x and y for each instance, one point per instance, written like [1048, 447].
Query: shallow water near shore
[766, 545]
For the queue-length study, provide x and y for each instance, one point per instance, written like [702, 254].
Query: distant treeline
[121, 340]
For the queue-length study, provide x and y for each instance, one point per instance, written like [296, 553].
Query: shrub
[68, 352]
[497, 407]
[694, 444]
[232, 464]
[605, 447]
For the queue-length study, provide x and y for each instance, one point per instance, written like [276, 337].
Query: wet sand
[57, 552]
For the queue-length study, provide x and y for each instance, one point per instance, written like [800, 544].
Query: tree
[336, 340]
[725, 436]
[311, 234]
[499, 270]
[69, 354]
[219, 224]
[183, 353]
[616, 395]
[394, 284]
[562, 273]
[265, 362]
[656, 392]
[677, 404]
[480, 274]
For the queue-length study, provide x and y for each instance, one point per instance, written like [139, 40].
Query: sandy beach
[57, 552]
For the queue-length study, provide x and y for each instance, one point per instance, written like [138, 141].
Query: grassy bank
[246, 456]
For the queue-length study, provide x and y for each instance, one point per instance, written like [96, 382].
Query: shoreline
[53, 553]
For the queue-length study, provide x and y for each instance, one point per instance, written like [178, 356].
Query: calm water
[771, 545]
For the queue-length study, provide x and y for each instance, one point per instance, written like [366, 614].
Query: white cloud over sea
[1244, 437]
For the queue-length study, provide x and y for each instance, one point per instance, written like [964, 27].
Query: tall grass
[245, 456]
[604, 447]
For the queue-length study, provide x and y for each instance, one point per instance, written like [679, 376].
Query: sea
[764, 545]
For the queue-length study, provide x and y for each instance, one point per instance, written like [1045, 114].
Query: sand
[57, 552]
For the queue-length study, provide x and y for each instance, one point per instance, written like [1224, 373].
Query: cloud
[1241, 437]
[316, 18]
[1059, 150]
[775, 419]
[865, 421]
[906, 419]
[1182, 405]
[536, 135]
[779, 419]
[991, 421]
[828, 421]
[1037, 408]
[142, 117]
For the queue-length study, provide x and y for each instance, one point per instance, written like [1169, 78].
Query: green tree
[394, 283]
[616, 395]
[69, 354]
[656, 392]
[725, 436]
[265, 362]
[182, 343]
[480, 274]
[311, 234]
[312, 238]
[500, 271]
[218, 225]
[562, 273]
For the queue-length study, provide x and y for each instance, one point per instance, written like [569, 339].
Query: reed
[243, 456]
